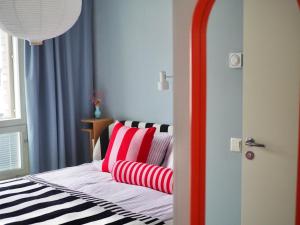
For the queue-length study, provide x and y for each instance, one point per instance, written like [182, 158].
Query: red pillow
[142, 174]
[128, 143]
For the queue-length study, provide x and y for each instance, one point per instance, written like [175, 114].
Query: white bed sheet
[89, 179]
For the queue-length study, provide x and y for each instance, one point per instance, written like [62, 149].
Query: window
[13, 135]
[9, 151]
[7, 107]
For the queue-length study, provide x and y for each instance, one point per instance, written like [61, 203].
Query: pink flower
[96, 98]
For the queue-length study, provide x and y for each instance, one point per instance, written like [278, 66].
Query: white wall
[182, 18]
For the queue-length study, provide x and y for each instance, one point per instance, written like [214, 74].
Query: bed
[83, 195]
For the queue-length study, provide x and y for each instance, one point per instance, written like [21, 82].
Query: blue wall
[133, 42]
[224, 114]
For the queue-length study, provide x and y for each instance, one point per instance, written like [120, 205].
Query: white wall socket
[235, 144]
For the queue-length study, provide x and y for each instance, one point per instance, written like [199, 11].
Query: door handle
[251, 143]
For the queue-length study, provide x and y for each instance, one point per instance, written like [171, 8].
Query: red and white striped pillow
[127, 143]
[142, 174]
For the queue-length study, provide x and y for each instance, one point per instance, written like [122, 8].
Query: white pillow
[97, 150]
[169, 159]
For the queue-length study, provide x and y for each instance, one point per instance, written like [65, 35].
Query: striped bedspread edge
[30, 200]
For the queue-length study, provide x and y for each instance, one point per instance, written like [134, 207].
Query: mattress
[88, 179]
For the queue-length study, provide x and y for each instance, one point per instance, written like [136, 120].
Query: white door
[271, 110]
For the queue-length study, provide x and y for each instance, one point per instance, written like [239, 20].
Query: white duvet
[87, 178]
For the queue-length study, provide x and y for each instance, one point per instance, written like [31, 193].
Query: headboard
[105, 135]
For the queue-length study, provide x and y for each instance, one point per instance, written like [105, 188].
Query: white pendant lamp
[38, 20]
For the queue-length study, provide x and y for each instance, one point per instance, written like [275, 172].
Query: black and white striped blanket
[30, 200]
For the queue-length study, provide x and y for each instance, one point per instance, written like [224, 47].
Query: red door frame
[198, 115]
[198, 111]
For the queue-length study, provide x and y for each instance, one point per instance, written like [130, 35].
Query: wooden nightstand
[95, 128]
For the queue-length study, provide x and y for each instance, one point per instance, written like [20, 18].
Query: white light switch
[235, 144]
[235, 60]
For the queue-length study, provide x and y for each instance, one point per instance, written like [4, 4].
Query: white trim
[19, 75]
[18, 124]
[24, 153]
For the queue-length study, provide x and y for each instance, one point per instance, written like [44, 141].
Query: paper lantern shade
[38, 20]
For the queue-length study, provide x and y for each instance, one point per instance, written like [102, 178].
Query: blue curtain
[59, 84]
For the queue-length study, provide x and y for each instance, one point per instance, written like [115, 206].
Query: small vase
[97, 112]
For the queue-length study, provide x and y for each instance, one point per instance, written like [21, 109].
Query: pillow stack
[135, 155]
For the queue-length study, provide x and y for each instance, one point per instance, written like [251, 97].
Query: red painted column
[198, 110]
